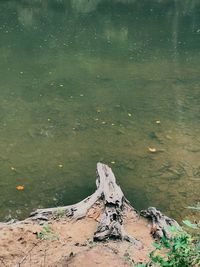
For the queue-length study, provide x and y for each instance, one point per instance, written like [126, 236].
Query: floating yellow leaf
[12, 168]
[60, 166]
[20, 187]
[129, 114]
[158, 122]
[152, 149]
[113, 162]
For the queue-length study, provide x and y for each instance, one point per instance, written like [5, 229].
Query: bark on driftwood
[160, 223]
[111, 223]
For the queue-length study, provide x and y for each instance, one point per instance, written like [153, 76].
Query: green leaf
[189, 224]
[173, 229]
[141, 265]
[156, 245]
[194, 208]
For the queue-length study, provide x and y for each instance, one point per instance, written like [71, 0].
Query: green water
[86, 81]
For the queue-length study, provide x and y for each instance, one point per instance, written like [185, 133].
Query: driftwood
[160, 223]
[79, 210]
[111, 223]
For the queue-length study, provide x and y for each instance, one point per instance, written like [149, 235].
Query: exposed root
[160, 223]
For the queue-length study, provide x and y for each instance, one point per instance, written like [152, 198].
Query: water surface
[89, 81]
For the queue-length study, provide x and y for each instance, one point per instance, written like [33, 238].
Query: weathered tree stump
[115, 203]
[111, 224]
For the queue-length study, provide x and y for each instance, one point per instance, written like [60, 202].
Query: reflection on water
[88, 81]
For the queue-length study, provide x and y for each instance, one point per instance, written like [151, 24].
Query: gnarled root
[160, 223]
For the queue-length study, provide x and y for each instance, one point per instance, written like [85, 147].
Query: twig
[30, 260]
[24, 258]
[45, 257]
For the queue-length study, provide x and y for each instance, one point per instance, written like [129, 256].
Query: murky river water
[88, 81]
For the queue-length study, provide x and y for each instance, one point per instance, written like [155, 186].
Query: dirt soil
[70, 243]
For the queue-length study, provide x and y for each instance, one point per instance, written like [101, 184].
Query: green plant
[197, 207]
[191, 225]
[47, 233]
[128, 258]
[59, 213]
[182, 250]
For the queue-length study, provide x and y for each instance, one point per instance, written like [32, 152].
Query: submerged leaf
[152, 149]
[20, 187]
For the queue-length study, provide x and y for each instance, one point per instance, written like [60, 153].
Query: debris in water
[157, 122]
[60, 166]
[20, 187]
[152, 149]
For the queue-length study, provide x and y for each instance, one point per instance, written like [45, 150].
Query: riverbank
[70, 243]
[101, 230]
